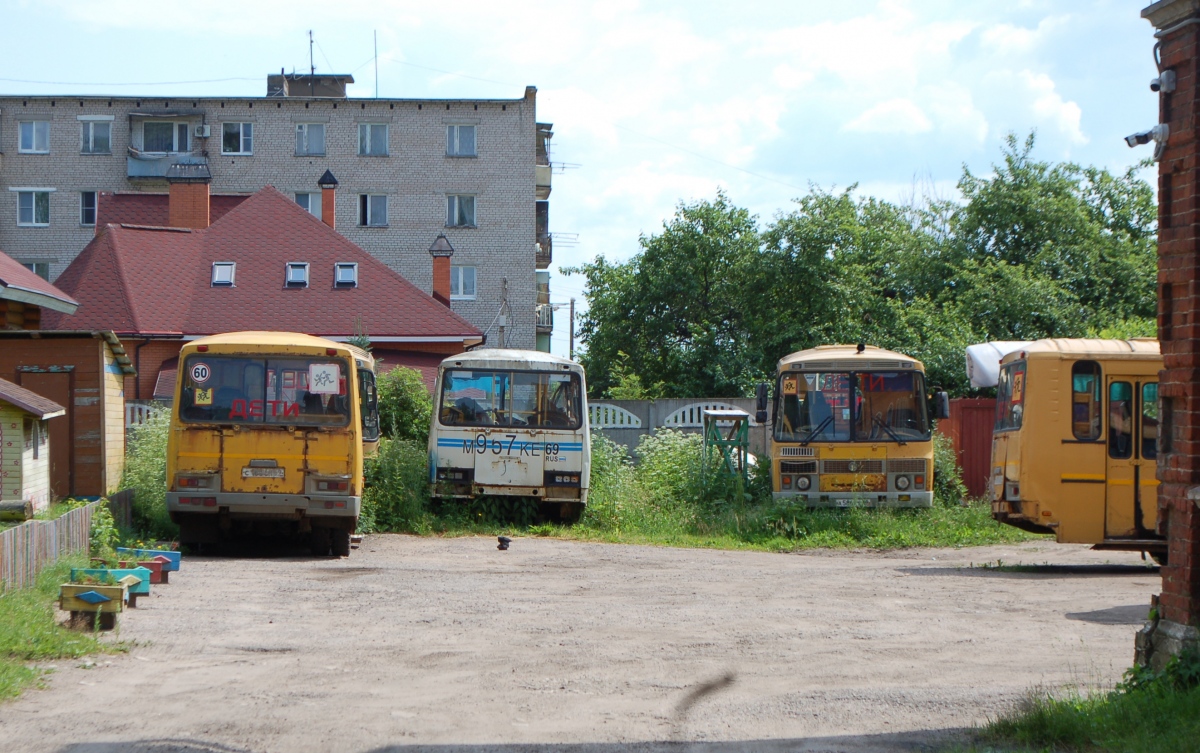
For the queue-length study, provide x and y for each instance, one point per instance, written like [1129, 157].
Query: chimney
[328, 185]
[441, 251]
[188, 202]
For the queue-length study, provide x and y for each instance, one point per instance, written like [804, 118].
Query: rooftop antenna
[376, 35]
[312, 69]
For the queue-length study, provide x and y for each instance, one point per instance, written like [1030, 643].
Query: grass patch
[1147, 713]
[30, 633]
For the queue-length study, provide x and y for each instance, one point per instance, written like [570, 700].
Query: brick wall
[1179, 312]
[416, 176]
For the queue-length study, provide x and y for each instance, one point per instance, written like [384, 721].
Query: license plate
[262, 473]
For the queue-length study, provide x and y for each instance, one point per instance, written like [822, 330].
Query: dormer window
[297, 274]
[345, 274]
[222, 274]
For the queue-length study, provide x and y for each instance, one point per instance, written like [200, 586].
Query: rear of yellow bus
[852, 428]
[267, 438]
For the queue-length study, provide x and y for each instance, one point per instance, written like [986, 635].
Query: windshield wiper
[820, 428]
[876, 420]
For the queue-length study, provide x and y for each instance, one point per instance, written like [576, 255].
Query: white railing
[692, 416]
[605, 416]
[137, 414]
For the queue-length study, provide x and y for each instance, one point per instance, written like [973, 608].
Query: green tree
[405, 406]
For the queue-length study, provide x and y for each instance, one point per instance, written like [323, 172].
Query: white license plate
[262, 473]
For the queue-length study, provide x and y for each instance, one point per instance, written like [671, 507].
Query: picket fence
[27, 549]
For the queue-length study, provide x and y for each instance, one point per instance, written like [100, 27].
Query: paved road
[417, 644]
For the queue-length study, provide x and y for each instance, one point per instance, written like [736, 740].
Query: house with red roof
[264, 263]
[23, 295]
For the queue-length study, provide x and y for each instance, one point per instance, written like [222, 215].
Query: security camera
[1165, 83]
[1157, 134]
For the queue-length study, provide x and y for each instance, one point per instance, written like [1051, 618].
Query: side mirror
[943, 405]
[760, 407]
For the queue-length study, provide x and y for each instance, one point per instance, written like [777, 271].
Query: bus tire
[570, 512]
[1160, 558]
[341, 542]
[319, 541]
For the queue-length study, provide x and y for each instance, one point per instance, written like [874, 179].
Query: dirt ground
[416, 644]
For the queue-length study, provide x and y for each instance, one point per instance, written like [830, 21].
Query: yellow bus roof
[1135, 349]
[275, 342]
[847, 357]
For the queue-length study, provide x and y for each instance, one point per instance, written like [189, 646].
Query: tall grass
[146, 473]
[397, 494]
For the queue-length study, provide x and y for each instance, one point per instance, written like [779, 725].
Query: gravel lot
[418, 644]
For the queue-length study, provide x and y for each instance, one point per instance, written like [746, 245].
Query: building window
[33, 136]
[237, 138]
[87, 207]
[345, 274]
[96, 137]
[297, 274]
[462, 283]
[39, 268]
[310, 139]
[310, 202]
[372, 139]
[33, 208]
[162, 136]
[372, 210]
[460, 141]
[222, 274]
[460, 211]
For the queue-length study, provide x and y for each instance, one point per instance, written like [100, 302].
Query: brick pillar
[188, 205]
[1177, 24]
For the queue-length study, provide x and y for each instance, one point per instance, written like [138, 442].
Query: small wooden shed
[24, 447]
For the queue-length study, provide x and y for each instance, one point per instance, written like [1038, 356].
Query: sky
[660, 102]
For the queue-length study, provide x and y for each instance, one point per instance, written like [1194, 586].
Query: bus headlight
[803, 483]
[902, 483]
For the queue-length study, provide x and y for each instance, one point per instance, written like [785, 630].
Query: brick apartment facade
[475, 170]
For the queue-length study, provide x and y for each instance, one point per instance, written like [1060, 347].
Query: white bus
[512, 423]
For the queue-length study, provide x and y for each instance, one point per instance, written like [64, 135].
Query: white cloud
[1007, 39]
[1050, 108]
[893, 116]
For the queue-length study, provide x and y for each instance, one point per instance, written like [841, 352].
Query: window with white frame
[372, 210]
[460, 140]
[372, 139]
[237, 138]
[96, 137]
[310, 139]
[39, 268]
[223, 273]
[297, 274]
[33, 136]
[310, 202]
[460, 210]
[165, 136]
[462, 283]
[345, 274]
[87, 207]
[33, 207]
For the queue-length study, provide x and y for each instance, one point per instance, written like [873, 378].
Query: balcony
[544, 251]
[541, 181]
[154, 165]
[545, 319]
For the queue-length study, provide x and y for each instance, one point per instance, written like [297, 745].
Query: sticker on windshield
[201, 372]
[323, 378]
[203, 396]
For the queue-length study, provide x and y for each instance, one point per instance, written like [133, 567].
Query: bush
[948, 486]
[397, 493]
[146, 473]
[405, 406]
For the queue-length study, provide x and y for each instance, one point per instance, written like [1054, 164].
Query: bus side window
[1085, 400]
[1120, 420]
[1149, 420]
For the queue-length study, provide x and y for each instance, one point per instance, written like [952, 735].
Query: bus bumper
[263, 506]
[859, 499]
[544, 493]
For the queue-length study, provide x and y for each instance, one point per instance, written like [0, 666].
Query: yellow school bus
[1075, 444]
[852, 427]
[267, 436]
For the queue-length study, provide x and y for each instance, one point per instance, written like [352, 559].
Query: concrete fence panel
[627, 421]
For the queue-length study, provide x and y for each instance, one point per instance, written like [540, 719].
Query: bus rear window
[532, 399]
[244, 390]
[1010, 396]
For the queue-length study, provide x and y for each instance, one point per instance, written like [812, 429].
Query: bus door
[1130, 484]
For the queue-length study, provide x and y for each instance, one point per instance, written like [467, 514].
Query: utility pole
[571, 350]
[503, 308]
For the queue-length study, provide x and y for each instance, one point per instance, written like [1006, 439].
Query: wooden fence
[28, 548]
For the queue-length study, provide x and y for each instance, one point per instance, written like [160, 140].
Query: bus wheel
[1159, 557]
[570, 512]
[319, 541]
[341, 542]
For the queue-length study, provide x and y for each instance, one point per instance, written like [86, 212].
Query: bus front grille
[797, 452]
[798, 466]
[910, 465]
[852, 466]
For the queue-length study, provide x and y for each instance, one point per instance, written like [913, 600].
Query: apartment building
[407, 170]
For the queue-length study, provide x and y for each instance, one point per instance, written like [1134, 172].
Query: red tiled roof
[153, 209]
[158, 281]
[23, 284]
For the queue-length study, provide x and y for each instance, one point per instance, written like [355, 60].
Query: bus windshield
[875, 406]
[534, 399]
[246, 390]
